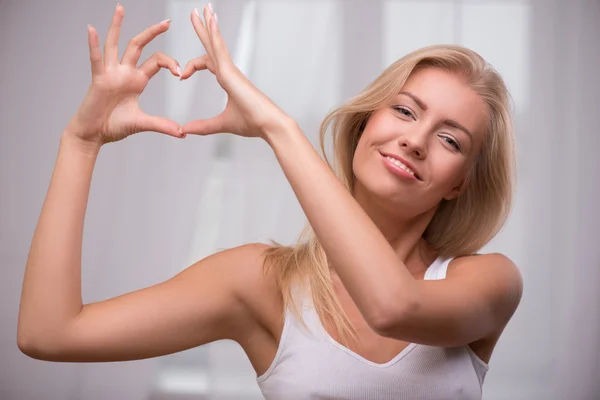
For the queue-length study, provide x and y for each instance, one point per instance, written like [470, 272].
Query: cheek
[368, 171]
[449, 171]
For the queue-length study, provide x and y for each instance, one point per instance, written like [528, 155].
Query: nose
[415, 142]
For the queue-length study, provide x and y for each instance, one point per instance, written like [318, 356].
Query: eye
[451, 142]
[405, 111]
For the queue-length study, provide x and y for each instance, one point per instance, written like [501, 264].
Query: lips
[402, 163]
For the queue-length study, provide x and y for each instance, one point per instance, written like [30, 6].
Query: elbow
[28, 346]
[24, 339]
[38, 348]
[390, 317]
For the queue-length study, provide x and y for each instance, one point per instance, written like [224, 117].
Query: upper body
[310, 363]
[378, 229]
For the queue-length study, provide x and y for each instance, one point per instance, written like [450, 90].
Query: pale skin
[372, 236]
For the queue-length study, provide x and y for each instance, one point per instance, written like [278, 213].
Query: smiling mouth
[401, 165]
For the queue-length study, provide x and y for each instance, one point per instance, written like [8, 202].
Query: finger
[95, 52]
[134, 49]
[157, 61]
[111, 47]
[201, 31]
[152, 123]
[205, 126]
[208, 18]
[220, 52]
[197, 64]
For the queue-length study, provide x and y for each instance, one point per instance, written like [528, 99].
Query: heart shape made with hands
[111, 105]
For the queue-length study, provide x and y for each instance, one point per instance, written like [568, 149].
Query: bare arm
[390, 299]
[51, 294]
[201, 304]
[197, 306]
[476, 301]
[352, 241]
[347, 234]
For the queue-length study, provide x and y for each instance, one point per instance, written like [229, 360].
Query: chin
[386, 191]
[395, 197]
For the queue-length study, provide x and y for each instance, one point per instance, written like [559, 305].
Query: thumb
[205, 126]
[159, 124]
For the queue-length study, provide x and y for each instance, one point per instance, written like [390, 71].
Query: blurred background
[159, 204]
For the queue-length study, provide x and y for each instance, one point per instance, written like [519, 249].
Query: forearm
[364, 260]
[51, 295]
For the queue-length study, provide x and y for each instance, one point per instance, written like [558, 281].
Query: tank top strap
[437, 270]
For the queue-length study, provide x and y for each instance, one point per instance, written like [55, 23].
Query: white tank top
[312, 365]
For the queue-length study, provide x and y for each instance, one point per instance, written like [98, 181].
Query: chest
[309, 368]
[368, 344]
[313, 364]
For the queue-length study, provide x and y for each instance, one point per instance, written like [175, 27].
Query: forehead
[448, 96]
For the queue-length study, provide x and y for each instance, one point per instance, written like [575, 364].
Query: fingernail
[216, 19]
[210, 8]
[118, 4]
[165, 21]
[196, 11]
[178, 70]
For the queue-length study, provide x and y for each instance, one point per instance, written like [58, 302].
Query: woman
[386, 299]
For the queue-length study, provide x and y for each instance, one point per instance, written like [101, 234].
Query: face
[416, 151]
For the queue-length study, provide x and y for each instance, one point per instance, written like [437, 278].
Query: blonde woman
[383, 297]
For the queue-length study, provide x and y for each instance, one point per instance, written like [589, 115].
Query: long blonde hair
[460, 226]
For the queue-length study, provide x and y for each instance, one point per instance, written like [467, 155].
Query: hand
[110, 110]
[248, 111]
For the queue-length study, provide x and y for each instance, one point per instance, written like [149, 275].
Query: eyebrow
[447, 122]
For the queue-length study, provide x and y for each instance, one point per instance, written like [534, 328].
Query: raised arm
[201, 304]
[391, 300]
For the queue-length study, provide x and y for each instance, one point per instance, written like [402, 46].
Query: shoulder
[252, 272]
[246, 266]
[495, 273]
[255, 286]
[245, 259]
